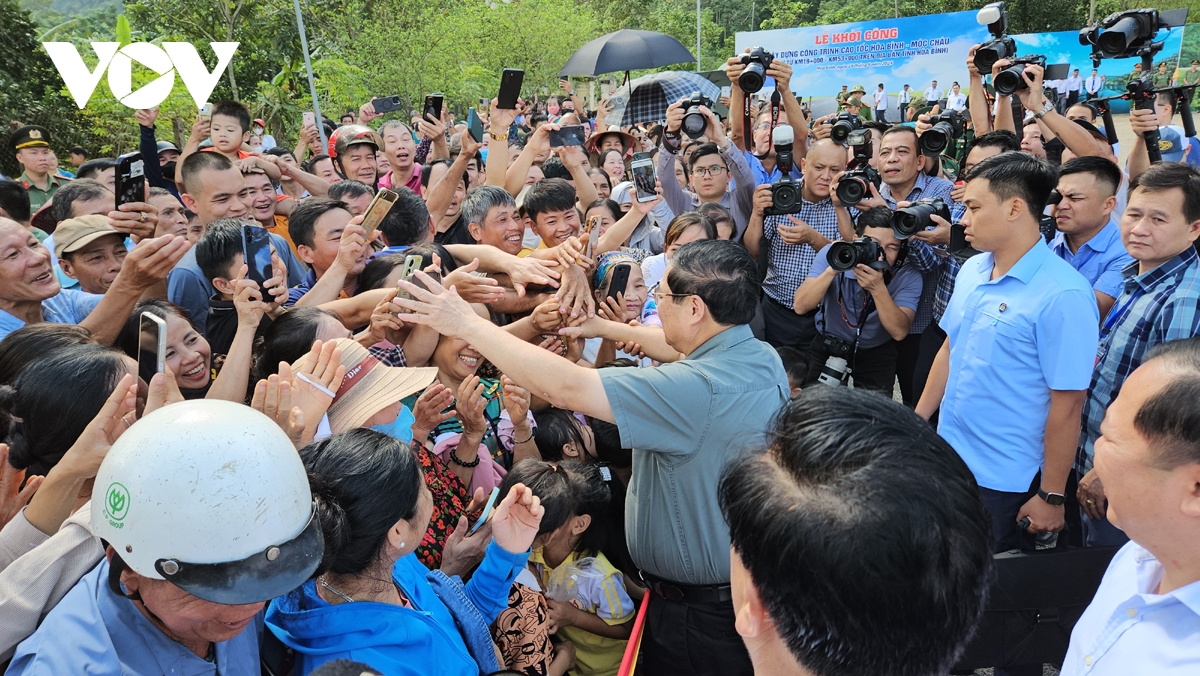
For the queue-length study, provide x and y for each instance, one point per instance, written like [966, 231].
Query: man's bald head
[825, 159]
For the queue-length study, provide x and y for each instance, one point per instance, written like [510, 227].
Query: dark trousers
[695, 639]
[904, 112]
[873, 368]
[908, 351]
[1072, 98]
[1003, 508]
[931, 342]
[881, 115]
[782, 327]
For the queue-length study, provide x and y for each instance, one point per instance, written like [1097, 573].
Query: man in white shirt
[1074, 84]
[902, 100]
[957, 100]
[881, 104]
[1145, 616]
[1093, 84]
[1060, 86]
[933, 94]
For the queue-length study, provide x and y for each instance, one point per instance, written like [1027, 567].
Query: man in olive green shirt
[32, 146]
[1162, 78]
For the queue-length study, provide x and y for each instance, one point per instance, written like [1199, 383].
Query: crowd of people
[538, 417]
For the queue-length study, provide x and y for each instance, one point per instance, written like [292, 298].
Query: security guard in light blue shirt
[207, 514]
[1022, 328]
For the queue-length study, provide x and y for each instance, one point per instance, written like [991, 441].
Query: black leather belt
[684, 593]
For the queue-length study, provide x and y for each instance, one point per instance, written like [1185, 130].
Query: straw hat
[369, 386]
[628, 143]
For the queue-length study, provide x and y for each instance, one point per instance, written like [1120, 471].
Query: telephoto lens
[915, 217]
[834, 372]
[946, 127]
[844, 256]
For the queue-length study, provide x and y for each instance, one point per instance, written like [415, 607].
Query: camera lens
[905, 225]
[935, 140]
[1116, 39]
[985, 58]
[841, 131]
[752, 79]
[842, 256]
[1009, 80]
[694, 123]
[784, 196]
[851, 190]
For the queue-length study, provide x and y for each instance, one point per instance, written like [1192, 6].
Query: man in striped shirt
[1160, 302]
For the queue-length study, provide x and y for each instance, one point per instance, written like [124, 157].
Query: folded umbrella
[626, 50]
[646, 98]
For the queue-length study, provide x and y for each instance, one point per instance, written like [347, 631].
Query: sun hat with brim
[627, 140]
[75, 233]
[369, 387]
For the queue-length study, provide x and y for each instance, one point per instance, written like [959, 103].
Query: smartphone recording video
[152, 347]
[256, 249]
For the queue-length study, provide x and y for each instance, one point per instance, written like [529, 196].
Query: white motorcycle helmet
[211, 496]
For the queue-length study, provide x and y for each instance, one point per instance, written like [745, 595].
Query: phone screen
[379, 207]
[152, 346]
[256, 248]
[643, 180]
[571, 135]
[130, 179]
[433, 106]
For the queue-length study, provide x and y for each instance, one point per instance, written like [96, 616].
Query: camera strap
[776, 101]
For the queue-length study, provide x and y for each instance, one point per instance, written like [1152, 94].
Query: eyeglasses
[714, 170]
[659, 295]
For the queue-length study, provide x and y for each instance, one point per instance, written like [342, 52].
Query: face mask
[400, 428]
[553, 110]
[258, 131]
[483, 153]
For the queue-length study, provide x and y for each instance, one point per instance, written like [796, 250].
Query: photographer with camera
[756, 144]
[863, 310]
[901, 165]
[710, 166]
[790, 243]
[1022, 329]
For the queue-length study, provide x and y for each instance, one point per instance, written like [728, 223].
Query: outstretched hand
[441, 309]
[516, 519]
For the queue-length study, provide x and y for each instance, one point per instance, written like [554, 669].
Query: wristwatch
[1055, 499]
[1046, 107]
[498, 137]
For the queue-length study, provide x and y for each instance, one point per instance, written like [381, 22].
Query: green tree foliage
[30, 89]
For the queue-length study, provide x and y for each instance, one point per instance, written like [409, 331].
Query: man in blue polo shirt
[1087, 236]
[1022, 327]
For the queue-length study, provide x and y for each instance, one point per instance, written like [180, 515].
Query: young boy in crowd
[220, 257]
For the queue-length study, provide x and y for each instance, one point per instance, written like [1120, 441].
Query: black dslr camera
[844, 256]
[1132, 33]
[853, 188]
[694, 121]
[843, 126]
[836, 367]
[1011, 80]
[757, 61]
[785, 192]
[914, 218]
[946, 127]
[1000, 46]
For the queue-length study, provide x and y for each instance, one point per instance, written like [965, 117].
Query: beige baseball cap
[369, 387]
[75, 233]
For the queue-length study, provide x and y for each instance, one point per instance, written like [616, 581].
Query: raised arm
[147, 265]
[498, 151]
[981, 118]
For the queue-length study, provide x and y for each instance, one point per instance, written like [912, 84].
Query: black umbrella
[626, 50]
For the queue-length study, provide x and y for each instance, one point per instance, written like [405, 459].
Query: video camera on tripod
[1131, 33]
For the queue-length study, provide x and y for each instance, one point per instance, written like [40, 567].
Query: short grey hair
[481, 200]
[79, 190]
[396, 123]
